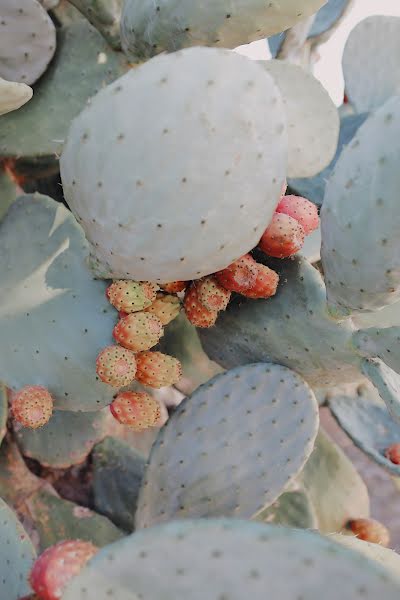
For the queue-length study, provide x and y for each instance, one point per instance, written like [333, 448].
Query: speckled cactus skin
[167, 162]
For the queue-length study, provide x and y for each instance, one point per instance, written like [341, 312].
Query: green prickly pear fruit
[131, 296]
[166, 307]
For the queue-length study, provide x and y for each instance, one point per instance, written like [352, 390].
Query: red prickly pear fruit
[32, 406]
[131, 296]
[211, 294]
[158, 370]
[195, 311]
[136, 409]
[138, 331]
[393, 453]
[283, 237]
[166, 307]
[301, 209]
[174, 286]
[239, 276]
[265, 285]
[122, 314]
[369, 530]
[116, 366]
[54, 569]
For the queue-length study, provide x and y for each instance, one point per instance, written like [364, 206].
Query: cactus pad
[291, 509]
[383, 343]
[13, 95]
[235, 560]
[231, 448]
[48, 291]
[145, 234]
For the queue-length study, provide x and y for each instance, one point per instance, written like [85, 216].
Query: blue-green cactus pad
[54, 316]
[231, 448]
[117, 475]
[66, 440]
[313, 188]
[16, 556]
[293, 328]
[230, 560]
[364, 417]
[291, 509]
[383, 343]
[386, 381]
[83, 64]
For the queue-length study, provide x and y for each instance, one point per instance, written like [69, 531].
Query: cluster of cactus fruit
[197, 252]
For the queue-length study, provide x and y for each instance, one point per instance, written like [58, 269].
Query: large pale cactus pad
[230, 560]
[188, 183]
[360, 220]
[231, 448]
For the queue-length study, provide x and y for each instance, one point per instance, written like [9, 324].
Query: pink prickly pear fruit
[211, 294]
[195, 311]
[283, 237]
[166, 307]
[54, 569]
[116, 366]
[138, 410]
[265, 285]
[174, 286]
[138, 331]
[369, 530]
[239, 276]
[301, 209]
[393, 453]
[158, 370]
[32, 406]
[131, 296]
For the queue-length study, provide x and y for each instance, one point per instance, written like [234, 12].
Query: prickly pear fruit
[195, 311]
[212, 295]
[301, 209]
[265, 285]
[369, 530]
[32, 406]
[138, 331]
[131, 296]
[116, 366]
[239, 276]
[174, 286]
[283, 237]
[393, 453]
[158, 370]
[166, 307]
[57, 565]
[136, 409]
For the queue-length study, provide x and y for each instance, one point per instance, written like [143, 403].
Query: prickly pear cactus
[176, 218]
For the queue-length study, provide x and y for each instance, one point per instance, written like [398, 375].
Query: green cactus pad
[27, 42]
[54, 317]
[56, 520]
[335, 488]
[182, 341]
[362, 270]
[388, 559]
[312, 118]
[292, 328]
[17, 482]
[383, 343]
[231, 448]
[291, 509]
[313, 188]
[228, 559]
[66, 14]
[82, 65]
[16, 557]
[370, 62]
[104, 15]
[148, 29]
[364, 418]
[386, 381]
[66, 440]
[117, 475]
[8, 192]
[144, 234]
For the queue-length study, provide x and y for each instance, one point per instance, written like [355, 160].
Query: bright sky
[328, 69]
